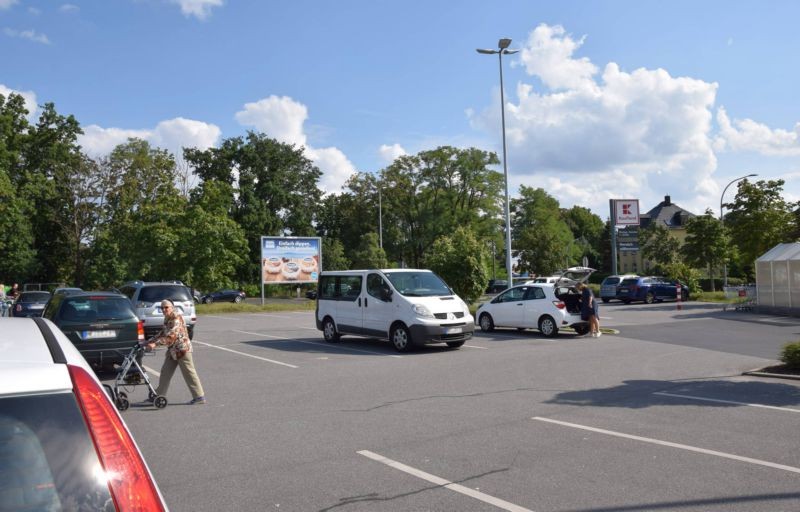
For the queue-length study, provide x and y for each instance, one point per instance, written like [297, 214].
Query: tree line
[97, 222]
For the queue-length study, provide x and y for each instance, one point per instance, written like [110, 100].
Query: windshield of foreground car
[418, 284]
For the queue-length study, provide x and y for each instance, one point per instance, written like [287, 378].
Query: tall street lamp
[722, 223]
[503, 45]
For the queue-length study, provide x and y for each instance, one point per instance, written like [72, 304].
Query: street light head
[486, 52]
[509, 52]
[751, 175]
[504, 43]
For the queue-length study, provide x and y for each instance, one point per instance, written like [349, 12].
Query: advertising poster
[290, 259]
[626, 212]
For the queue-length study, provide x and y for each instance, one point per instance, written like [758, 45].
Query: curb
[758, 373]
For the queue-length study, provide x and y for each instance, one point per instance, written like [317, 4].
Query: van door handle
[359, 302]
[365, 302]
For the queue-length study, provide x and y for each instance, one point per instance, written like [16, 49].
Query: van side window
[375, 284]
[327, 287]
[350, 287]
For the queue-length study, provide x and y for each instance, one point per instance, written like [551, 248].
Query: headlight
[422, 311]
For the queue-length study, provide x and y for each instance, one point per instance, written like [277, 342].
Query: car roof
[27, 365]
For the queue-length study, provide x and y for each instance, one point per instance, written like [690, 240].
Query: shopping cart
[132, 374]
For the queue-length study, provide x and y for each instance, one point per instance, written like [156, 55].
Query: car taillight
[140, 331]
[559, 304]
[18, 308]
[125, 471]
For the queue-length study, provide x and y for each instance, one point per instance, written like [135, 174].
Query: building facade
[667, 214]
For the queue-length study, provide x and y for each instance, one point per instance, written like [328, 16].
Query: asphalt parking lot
[656, 417]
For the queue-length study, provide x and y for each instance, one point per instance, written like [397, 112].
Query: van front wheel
[401, 338]
[329, 331]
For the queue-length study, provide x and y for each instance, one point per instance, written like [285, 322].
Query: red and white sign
[626, 212]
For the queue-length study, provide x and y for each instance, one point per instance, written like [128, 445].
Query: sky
[604, 100]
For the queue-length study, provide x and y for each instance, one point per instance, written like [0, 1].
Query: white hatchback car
[544, 306]
[63, 445]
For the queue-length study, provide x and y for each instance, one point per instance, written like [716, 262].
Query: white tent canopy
[778, 277]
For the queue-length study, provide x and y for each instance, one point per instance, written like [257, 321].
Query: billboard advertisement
[290, 259]
[626, 212]
[628, 239]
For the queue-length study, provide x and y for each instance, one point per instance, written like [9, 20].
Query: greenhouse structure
[778, 280]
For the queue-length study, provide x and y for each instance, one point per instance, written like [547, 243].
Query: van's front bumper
[423, 334]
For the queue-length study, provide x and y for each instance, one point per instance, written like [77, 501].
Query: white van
[407, 306]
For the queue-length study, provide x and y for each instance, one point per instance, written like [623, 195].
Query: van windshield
[418, 284]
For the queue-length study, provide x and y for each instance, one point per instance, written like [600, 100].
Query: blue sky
[606, 99]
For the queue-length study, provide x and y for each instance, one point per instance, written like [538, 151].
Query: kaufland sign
[626, 212]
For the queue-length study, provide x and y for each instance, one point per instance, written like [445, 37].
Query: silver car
[146, 298]
[609, 286]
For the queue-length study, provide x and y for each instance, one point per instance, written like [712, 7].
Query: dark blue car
[650, 289]
[29, 304]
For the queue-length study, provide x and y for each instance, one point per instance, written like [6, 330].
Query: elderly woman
[179, 353]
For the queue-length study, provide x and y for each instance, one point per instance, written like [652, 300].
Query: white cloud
[172, 135]
[34, 11]
[390, 153]
[28, 96]
[621, 134]
[282, 118]
[69, 8]
[200, 9]
[30, 35]
[6, 4]
[749, 135]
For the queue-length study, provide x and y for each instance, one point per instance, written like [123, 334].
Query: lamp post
[503, 45]
[722, 223]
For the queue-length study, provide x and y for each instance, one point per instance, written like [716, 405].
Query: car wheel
[329, 331]
[208, 300]
[401, 338]
[160, 402]
[580, 330]
[649, 298]
[237, 299]
[486, 322]
[123, 404]
[606, 301]
[454, 344]
[547, 326]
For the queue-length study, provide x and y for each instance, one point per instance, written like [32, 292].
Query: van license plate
[452, 330]
[93, 335]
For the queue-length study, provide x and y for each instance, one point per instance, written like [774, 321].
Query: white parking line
[476, 346]
[774, 407]
[472, 493]
[695, 449]
[327, 345]
[245, 354]
[222, 317]
[150, 370]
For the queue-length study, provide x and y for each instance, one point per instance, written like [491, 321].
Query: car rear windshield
[95, 308]
[157, 293]
[418, 284]
[611, 280]
[628, 282]
[34, 297]
[47, 458]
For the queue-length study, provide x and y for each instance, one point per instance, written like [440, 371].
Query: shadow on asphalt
[640, 394]
[353, 345]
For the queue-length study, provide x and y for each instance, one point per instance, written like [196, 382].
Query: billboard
[290, 259]
[628, 239]
[626, 212]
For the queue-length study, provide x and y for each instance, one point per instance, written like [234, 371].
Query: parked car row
[630, 287]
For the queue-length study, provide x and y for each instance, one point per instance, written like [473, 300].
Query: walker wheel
[122, 394]
[160, 402]
[122, 404]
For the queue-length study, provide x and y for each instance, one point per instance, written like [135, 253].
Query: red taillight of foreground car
[128, 478]
[140, 331]
[559, 304]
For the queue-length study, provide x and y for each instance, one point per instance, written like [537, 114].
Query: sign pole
[613, 237]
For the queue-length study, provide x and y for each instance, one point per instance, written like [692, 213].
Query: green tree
[587, 232]
[275, 193]
[432, 193]
[657, 244]
[369, 253]
[758, 219]
[461, 260]
[333, 256]
[706, 244]
[541, 238]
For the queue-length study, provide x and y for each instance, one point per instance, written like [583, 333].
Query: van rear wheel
[329, 331]
[401, 338]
